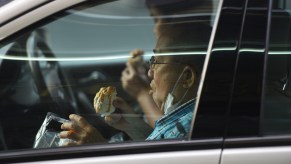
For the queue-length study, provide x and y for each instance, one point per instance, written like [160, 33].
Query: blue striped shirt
[175, 124]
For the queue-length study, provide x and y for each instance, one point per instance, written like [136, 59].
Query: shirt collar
[173, 113]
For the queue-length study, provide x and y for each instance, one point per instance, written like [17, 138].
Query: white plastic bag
[48, 134]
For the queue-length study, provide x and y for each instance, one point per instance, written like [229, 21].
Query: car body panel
[182, 157]
[30, 17]
[19, 8]
[266, 155]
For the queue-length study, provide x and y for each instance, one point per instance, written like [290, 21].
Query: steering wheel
[50, 80]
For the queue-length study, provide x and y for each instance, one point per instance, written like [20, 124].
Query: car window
[118, 71]
[276, 105]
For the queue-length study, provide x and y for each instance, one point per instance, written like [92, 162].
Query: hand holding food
[79, 131]
[103, 100]
[136, 58]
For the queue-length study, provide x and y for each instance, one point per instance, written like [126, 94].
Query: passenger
[174, 82]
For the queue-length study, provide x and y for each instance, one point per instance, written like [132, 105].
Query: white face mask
[169, 103]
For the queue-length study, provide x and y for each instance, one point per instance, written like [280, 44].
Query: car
[56, 54]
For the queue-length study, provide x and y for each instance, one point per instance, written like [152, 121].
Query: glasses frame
[152, 63]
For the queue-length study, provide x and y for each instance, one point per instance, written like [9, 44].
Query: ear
[190, 77]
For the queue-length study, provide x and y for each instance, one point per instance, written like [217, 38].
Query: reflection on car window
[277, 91]
[89, 75]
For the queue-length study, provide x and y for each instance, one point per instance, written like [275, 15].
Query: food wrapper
[48, 134]
[104, 99]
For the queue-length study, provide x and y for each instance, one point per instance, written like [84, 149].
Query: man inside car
[174, 81]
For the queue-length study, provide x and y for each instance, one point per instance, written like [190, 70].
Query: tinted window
[277, 111]
[56, 69]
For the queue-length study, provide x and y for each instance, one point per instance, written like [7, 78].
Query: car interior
[32, 88]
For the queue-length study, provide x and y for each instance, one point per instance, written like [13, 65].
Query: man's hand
[128, 121]
[134, 77]
[80, 131]
[124, 120]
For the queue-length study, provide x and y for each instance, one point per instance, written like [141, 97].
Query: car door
[74, 52]
[258, 129]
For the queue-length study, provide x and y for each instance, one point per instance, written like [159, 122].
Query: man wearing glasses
[174, 77]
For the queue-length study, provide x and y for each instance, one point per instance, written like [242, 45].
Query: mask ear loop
[175, 86]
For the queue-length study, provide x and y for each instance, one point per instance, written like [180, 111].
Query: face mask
[169, 103]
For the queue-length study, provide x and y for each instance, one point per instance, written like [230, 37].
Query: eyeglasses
[153, 62]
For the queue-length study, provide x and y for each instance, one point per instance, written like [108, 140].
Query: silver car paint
[263, 155]
[182, 157]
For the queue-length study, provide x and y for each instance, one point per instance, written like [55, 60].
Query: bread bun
[104, 99]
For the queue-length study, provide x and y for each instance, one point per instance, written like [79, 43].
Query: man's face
[163, 78]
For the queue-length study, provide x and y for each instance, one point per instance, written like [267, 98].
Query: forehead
[164, 49]
[163, 57]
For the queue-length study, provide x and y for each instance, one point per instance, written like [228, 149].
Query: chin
[158, 102]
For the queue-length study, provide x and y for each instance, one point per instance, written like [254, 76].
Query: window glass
[104, 73]
[276, 105]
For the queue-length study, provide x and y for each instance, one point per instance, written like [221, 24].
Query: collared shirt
[175, 124]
